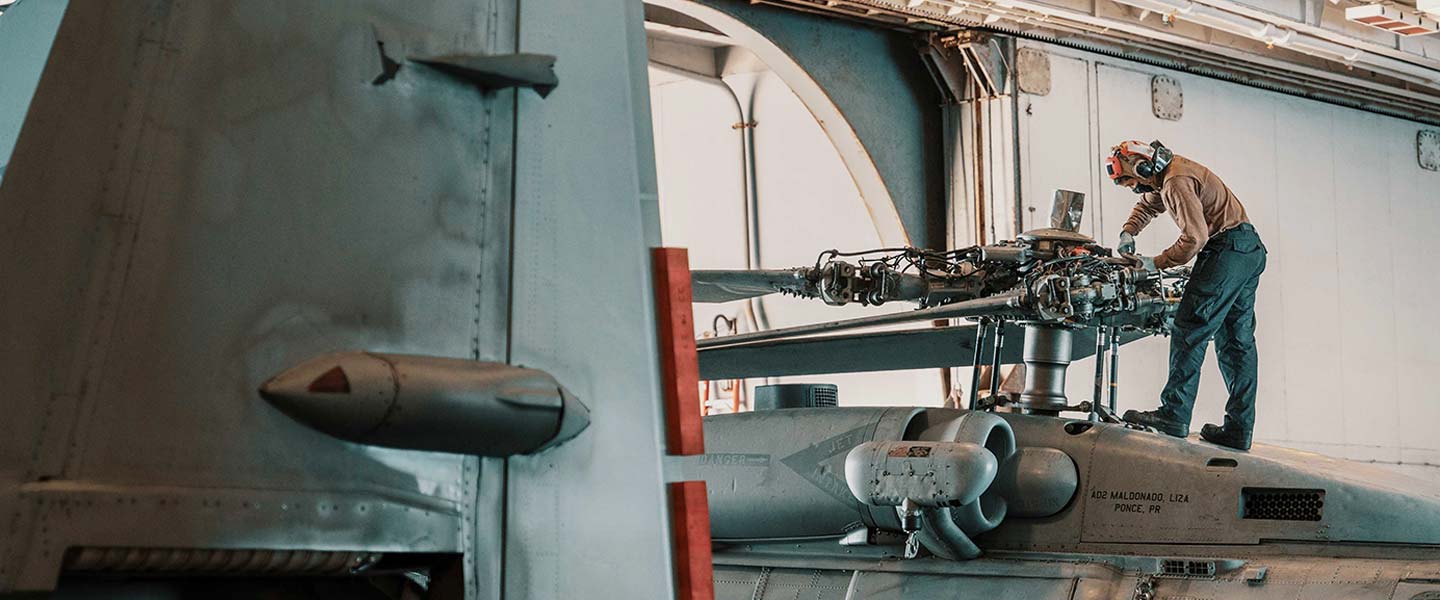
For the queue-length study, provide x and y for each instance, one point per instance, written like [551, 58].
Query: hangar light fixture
[1392, 19]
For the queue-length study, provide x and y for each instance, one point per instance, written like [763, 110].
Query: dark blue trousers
[1219, 302]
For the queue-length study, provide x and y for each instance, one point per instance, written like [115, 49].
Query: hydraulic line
[1099, 372]
[995, 360]
[975, 362]
[1114, 367]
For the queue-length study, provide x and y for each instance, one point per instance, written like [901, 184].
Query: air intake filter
[796, 395]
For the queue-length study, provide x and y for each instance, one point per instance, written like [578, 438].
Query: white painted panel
[1415, 217]
[700, 176]
[808, 200]
[1001, 162]
[1365, 340]
[1307, 239]
[702, 193]
[1063, 155]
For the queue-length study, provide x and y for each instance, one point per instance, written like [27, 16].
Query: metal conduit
[750, 201]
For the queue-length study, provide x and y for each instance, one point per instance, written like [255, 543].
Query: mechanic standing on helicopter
[1219, 299]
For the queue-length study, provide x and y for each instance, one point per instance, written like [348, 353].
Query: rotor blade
[932, 347]
[726, 285]
[1001, 305]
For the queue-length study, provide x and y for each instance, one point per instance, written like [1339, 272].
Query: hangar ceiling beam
[1279, 47]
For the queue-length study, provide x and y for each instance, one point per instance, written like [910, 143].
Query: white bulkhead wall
[1347, 348]
[808, 202]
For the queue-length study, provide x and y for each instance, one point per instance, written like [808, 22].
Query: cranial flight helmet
[1152, 159]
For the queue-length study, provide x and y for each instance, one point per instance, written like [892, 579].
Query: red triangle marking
[333, 381]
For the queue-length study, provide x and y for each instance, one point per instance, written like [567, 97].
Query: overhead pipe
[752, 201]
[1309, 39]
[1395, 101]
[1234, 18]
[1221, 15]
[1402, 102]
[1400, 99]
[747, 166]
[1379, 51]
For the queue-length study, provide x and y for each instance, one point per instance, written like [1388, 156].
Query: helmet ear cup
[1145, 169]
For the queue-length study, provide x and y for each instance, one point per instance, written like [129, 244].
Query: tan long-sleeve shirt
[1200, 203]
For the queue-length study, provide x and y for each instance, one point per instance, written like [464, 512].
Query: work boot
[1157, 421]
[1230, 438]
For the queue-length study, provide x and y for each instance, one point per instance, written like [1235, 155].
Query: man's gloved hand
[1144, 262]
[1127, 243]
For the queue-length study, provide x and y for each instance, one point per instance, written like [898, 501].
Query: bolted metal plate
[1167, 100]
[1032, 69]
[1427, 149]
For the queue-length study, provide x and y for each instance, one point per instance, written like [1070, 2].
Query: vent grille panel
[1188, 569]
[826, 395]
[1282, 504]
[796, 395]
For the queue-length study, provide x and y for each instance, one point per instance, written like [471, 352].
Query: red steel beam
[684, 430]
